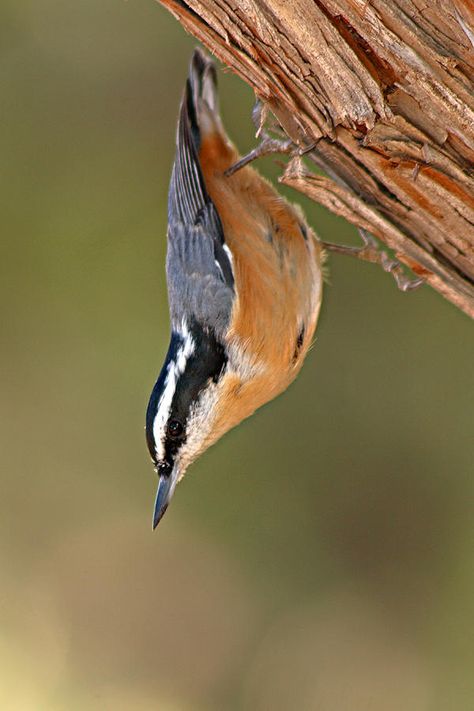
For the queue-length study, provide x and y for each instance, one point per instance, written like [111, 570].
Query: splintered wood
[385, 89]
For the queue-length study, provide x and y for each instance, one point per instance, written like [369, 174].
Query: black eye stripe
[175, 344]
[204, 365]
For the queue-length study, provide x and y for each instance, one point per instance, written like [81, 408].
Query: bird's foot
[372, 252]
[268, 145]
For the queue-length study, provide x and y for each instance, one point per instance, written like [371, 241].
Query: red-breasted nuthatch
[244, 284]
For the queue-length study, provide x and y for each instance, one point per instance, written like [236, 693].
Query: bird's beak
[166, 487]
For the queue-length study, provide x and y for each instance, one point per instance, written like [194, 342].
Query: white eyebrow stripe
[163, 409]
[175, 369]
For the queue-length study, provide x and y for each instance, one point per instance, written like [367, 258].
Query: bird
[245, 279]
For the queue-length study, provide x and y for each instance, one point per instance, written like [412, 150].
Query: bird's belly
[276, 265]
[278, 286]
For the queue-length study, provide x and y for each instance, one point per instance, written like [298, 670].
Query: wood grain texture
[385, 88]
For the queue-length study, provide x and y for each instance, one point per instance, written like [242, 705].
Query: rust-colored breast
[277, 270]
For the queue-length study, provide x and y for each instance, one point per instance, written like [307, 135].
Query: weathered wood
[385, 88]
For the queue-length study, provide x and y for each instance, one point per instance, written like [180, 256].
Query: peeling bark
[385, 88]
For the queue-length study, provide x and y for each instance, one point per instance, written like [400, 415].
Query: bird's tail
[200, 101]
[188, 200]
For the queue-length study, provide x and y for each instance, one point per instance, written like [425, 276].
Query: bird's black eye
[174, 429]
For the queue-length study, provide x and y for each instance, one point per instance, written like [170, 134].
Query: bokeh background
[319, 557]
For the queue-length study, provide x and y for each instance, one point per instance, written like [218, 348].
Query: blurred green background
[321, 555]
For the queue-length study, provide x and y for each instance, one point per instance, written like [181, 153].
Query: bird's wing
[197, 289]
[199, 269]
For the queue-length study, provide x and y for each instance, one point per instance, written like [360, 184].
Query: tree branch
[385, 88]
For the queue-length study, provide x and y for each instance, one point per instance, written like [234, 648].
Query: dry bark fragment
[386, 90]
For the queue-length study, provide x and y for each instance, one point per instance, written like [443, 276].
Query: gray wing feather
[196, 287]
[199, 272]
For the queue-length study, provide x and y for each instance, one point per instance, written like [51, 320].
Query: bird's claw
[267, 146]
[371, 251]
[270, 146]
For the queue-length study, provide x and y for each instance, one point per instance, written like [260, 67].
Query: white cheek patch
[200, 424]
[175, 369]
